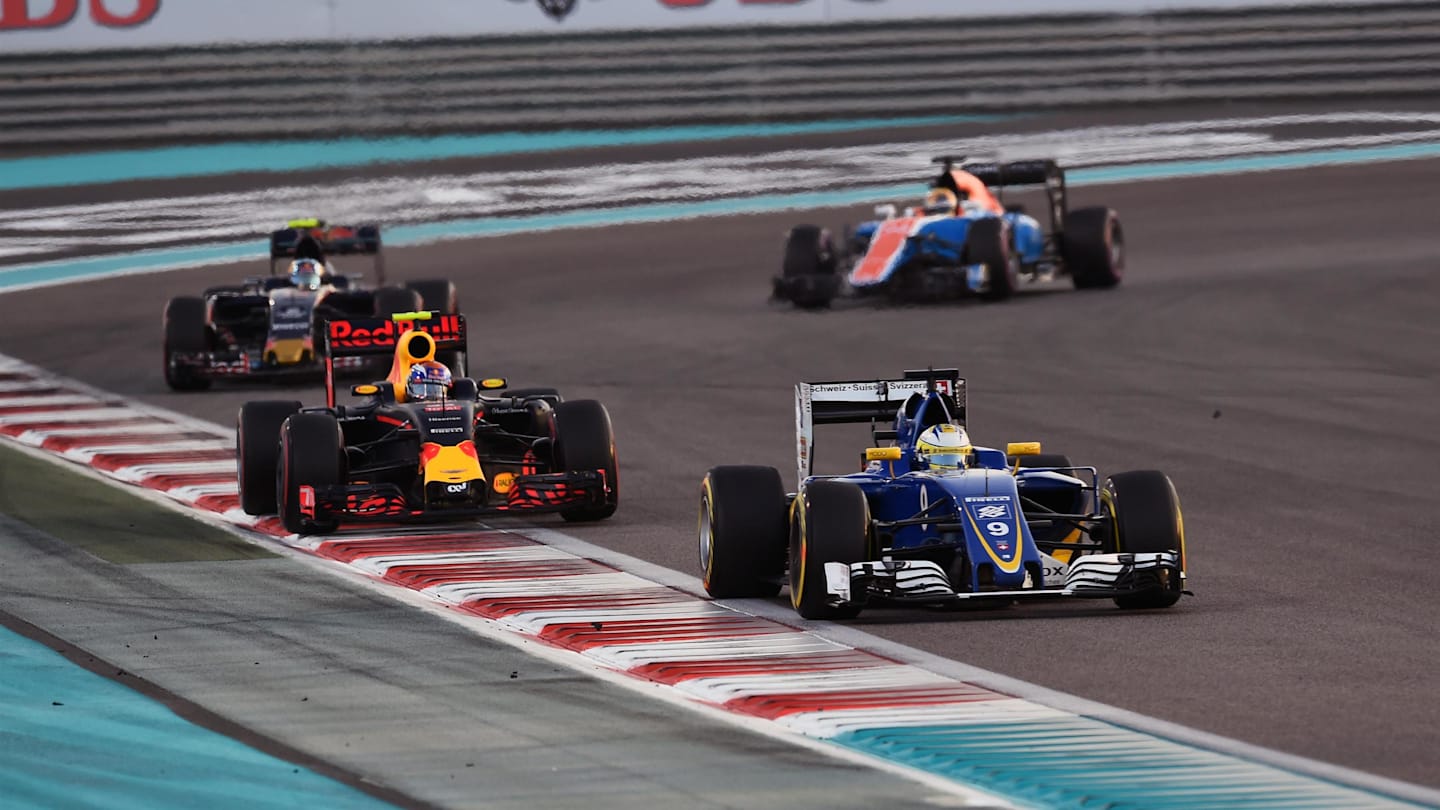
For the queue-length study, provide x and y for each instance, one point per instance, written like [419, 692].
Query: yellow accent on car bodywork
[1022, 449]
[410, 316]
[883, 454]
[1010, 567]
[1064, 555]
[492, 383]
[288, 352]
[453, 466]
[503, 483]
[365, 390]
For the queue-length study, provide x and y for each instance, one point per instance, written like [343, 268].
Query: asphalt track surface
[1273, 349]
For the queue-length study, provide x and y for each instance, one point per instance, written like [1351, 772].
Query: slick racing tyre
[185, 333]
[809, 276]
[830, 522]
[390, 300]
[988, 243]
[312, 453]
[742, 532]
[436, 295]
[584, 441]
[1093, 248]
[1145, 517]
[257, 453]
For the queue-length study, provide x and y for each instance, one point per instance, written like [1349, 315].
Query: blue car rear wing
[873, 401]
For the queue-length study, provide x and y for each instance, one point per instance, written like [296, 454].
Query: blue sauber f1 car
[963, 241]
[932, 520]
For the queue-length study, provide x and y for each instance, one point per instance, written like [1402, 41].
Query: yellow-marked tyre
[829, 522]
[1145, 517]
[742, 532]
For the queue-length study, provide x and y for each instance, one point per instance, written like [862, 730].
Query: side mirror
[886, 211]
[1022, 449]
[383, 390]
[883, 454]
[493, 383]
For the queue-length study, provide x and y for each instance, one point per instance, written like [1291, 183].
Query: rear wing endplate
[874, 401]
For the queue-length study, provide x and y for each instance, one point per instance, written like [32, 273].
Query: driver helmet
[943, 447]
[941, 201]
[426, 381]
[307, 274]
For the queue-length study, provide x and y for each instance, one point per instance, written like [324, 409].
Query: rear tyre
[988, 243]
[585, 441]
[439, 295]
[742, 532]
[185, 333]
[808, 273]
[1145, 517]
[311, 454]
[257, 453]
[1093, 248]
[390, 300]
[830, 522]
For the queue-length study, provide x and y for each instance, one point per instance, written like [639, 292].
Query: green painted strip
[107, 521]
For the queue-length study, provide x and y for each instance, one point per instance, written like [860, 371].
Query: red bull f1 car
[976, 525]
[475, 449]
[963, 241]
[266, 328]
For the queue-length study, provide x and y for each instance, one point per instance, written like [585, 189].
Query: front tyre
[809, 276]
[312, 454]
[742, 532]
[257, 453]
[585, 442]
[1145, 517]
[829, 522]
[988, 243]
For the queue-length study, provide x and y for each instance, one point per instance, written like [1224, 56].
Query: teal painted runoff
[288, 156]
[1068, 762]
[71, 738]
[173, 258]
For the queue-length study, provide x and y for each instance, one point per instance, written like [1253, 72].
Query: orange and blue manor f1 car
[424, 443]
[963, 240]
[933, 520]
[270, 327]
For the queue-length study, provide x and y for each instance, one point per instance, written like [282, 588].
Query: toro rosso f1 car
[963, 241]
[938, 527]
[469, 448]
[271, 327]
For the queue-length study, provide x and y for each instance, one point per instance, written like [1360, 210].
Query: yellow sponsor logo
[504, 482]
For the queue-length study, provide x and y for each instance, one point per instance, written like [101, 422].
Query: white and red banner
[51, 25]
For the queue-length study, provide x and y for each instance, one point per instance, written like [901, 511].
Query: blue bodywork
[941, 242]
[979, 534]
